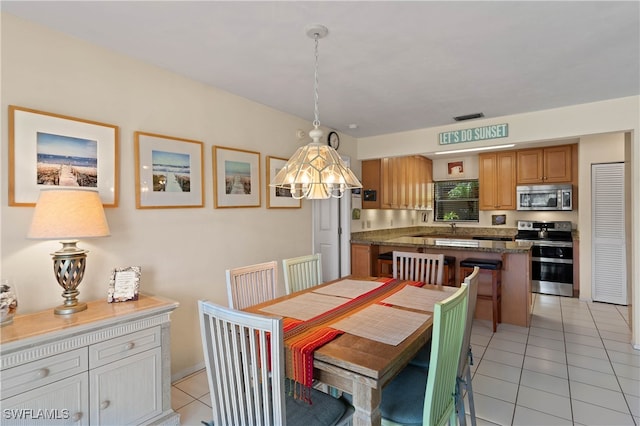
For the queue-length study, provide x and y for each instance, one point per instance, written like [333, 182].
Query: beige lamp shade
[68, 214]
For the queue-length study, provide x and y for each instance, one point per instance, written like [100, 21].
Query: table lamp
[67, 215]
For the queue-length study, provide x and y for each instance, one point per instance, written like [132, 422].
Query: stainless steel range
[552, 256]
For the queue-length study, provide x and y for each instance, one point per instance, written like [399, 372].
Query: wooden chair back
[250, 285]
[302, 272]
[427, 268]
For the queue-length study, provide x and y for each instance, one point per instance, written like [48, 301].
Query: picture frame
[455, 169]
[169, 171]
[124, 284]
[236, 175]
[47, 149]
[279, 198]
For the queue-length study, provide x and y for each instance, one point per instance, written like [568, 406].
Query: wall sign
[494, 131]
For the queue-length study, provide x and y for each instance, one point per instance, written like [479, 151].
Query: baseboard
[186, 372]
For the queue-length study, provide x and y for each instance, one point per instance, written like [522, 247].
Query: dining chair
[250, 285]
[463, 381]
[302, 272]
[418, 396]
[427, 268]
[244, 358]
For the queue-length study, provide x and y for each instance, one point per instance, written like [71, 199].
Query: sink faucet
[453, 227]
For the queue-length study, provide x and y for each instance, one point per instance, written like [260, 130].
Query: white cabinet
[111, 367]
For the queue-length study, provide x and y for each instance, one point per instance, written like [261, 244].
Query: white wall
[183, 252]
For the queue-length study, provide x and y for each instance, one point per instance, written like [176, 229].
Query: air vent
[469, 116]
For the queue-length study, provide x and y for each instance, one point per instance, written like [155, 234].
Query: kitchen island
[515, 257]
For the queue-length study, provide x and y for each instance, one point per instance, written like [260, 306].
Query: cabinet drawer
[123, 346]
[44, 371]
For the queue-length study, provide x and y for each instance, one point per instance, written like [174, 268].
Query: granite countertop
[443, 239]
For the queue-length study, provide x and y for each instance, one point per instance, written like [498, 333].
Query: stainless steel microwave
[544, 197]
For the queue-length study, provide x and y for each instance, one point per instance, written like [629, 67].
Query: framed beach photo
[47, 149]
[236, 175]
[169, 171]
[124, 284]
[279, 198]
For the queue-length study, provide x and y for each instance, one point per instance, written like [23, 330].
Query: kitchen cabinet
[545, 165]
[364, 259]
[398, 182]
[107, 365]
[497, 172]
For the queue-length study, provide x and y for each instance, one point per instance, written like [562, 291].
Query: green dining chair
[427, 397]
[302, 272]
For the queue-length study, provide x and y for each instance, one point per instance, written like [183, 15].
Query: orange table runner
[302, 338]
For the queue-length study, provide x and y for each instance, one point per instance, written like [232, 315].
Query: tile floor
[574, 365]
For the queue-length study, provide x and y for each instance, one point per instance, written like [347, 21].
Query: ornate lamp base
[68, 266]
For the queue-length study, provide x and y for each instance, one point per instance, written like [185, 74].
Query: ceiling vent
[469, 116]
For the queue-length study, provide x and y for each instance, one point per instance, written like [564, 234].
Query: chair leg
[460, 403]
[472, 406]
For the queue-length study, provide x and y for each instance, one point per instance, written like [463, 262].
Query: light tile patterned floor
[574, 365]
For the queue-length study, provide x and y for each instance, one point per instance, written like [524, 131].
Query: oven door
[552, 269]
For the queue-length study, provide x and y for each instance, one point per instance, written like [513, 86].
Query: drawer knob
[129, 346]
[105, 404]
[42, 373]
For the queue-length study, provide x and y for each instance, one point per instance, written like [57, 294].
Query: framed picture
[124, 284]
[455, 169]
[169, 171]
[47, 149]
[236, 175]
[279, 198]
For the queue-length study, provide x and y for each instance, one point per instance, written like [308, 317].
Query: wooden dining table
[362, 366]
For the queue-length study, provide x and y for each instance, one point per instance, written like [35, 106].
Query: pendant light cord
[316, 122]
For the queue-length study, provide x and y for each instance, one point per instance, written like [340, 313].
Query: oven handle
[549, 243]
[552, 260]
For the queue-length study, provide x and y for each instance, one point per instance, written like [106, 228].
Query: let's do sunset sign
[474, 134]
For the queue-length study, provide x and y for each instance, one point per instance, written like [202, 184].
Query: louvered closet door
[608, 245]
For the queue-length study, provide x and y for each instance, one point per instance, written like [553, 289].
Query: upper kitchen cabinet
[396, 182]
[497, 173]
[545, 165]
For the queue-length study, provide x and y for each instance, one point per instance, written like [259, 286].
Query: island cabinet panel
[364, 260]
[497, 172]
[545, 165]
[398, 182]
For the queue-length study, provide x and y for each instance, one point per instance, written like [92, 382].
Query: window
[456, 200]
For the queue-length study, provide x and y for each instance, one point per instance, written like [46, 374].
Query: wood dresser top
[39, 323]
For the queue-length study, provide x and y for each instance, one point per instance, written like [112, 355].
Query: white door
[608, 240]
[332, 234]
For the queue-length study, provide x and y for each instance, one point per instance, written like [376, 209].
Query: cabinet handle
[42, 373]
[105, 404]
[129, 346]
[77, 416]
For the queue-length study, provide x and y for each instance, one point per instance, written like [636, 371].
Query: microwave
[544, 197]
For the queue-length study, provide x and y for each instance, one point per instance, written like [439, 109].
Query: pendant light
[316, 170]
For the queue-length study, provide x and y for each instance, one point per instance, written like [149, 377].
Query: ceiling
[386, 66]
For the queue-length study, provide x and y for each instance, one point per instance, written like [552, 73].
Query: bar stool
[385, 259]
[449, 272]
[494, 267]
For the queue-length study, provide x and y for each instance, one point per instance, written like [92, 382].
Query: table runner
[302, 338]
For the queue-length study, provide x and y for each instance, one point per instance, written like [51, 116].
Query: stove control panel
[530, 225]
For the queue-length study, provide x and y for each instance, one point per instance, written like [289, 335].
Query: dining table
[383, 322]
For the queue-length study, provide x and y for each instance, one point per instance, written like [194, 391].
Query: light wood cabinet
[398, 182]
[364, 259]
[107, 365]
[497, 172]
[545, 165]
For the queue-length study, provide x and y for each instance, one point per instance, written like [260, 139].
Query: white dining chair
[423, 267]
[245, 365]
[302, 272]
[250, 285]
